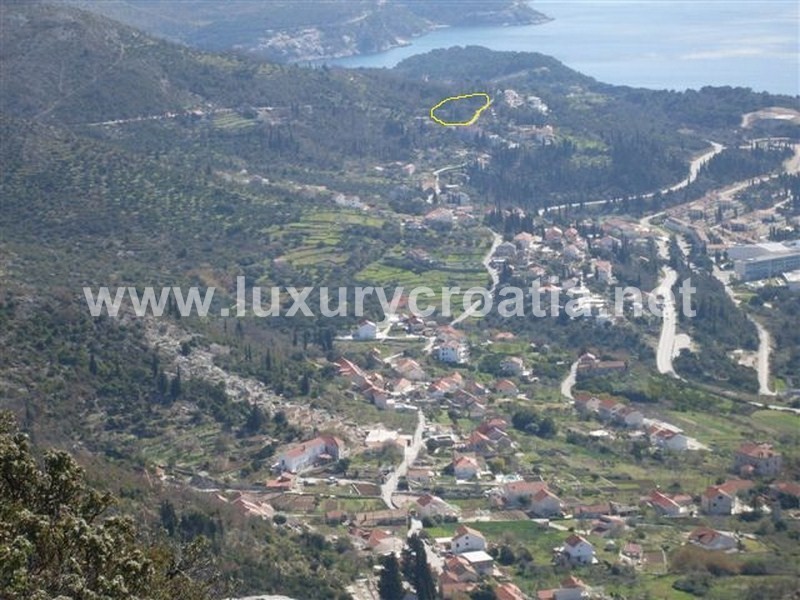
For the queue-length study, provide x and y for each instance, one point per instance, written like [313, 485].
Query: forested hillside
[281, 31]
[133, 161]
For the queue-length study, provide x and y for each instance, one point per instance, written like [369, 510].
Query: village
[477, 467]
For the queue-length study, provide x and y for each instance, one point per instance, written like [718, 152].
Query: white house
[429, 506]
[710, 539]
[758, 459]
[465, 467]
[421, 475]
[668, 439]
[722, 499]
[453, 352]
[367, 330]
[630, 417]
[666, 506]
[545, 503]
[578, 551]
[521, 493]
[571, 588]
[306, 454]
[467, 539]
[513, 365]
[605, 273]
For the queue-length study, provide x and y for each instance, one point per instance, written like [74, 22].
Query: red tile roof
[755, 450]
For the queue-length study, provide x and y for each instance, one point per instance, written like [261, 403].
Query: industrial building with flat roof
[765, 260]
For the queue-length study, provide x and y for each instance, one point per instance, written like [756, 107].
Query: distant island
[279, 31]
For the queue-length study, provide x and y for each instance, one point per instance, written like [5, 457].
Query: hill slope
[284, 30]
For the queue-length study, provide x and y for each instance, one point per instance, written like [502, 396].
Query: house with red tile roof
[509, 591]
[532, 495]
[633, 552]
[519, 493]
[786, 488]
[711, 539]
[669, 506]
[495, 424]
[545, 504]
[668, 439]
[506, 387]
[459, 570]
[302, 456]
[571, 588]
[446, 385]
[422, 475]
[409, 369]
[479, 443]
[467, 539]
[760, 459]
[465, 467]
[723, 499]
[577, 550]
[429, 506]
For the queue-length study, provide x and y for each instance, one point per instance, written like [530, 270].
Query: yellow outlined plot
[474, 117]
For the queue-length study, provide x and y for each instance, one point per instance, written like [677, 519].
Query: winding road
[790, 166]
[669, 323]
[569, 381]
[666, 344]
[694, 169]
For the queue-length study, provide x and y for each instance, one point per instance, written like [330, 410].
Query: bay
[654, 44]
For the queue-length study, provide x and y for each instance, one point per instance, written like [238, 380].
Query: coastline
[317, 60]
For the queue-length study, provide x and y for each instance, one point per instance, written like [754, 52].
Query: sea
[658, 44]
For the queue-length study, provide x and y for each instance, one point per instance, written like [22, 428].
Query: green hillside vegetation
[340, 27]
[129, 161]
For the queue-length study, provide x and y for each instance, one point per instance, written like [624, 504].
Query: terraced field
[314, 243]
[233, 121]
[454, 264]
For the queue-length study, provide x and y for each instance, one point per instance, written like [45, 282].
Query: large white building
[306, 454]
[765, 260]
[452, 352]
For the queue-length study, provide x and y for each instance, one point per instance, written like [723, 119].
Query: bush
[689, 559]
[697, 584]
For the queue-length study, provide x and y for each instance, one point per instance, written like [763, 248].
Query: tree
[169, 519]
[255, 420]
[506, 556]
[547, 428]
[57, 541]
[423, 579]
[175, 385]
[390, 585]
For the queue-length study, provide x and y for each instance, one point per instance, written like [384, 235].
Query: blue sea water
[655, 44]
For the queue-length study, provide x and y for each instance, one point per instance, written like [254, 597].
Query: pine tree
[169, 519]
[390, 585]
[175, 385]
[305, 385]
[423, 579]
